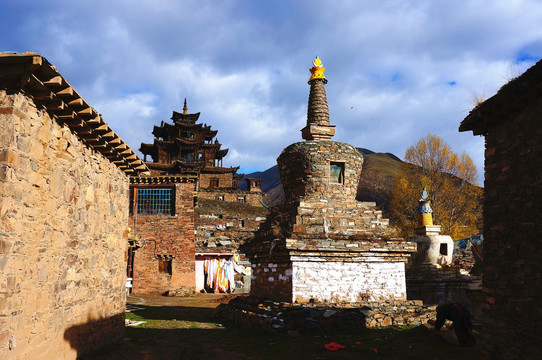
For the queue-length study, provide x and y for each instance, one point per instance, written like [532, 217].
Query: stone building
[63, 215]
[322, 244]
[170, 239]
[512, 275]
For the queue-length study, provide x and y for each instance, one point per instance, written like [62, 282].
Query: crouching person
[461, 319]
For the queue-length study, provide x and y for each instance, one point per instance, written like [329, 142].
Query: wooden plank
[109, 135]
[76, 102]
[95, 122]
[66, 91]
[44, 95]
[66, 117]
[54, 81]
[87, 112]
[75, 123]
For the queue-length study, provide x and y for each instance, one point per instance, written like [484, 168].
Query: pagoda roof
[189, 142]
[186, 118]
[221, 153]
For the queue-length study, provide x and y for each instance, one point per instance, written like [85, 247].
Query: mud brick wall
[512, 319]
[63, 216]
[342, 281]
[166, 238]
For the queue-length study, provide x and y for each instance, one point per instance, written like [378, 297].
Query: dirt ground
[186, 328]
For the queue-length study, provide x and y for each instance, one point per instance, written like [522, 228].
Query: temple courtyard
[161, 327]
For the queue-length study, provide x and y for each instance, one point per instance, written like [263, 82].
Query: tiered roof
[185, 146]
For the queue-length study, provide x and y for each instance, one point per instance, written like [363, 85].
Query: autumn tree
[451, 183]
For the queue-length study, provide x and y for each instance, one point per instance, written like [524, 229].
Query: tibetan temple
[186, 147]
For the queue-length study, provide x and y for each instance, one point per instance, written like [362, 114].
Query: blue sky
[397, 70]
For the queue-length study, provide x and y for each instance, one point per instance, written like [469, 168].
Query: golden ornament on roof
[317, 70]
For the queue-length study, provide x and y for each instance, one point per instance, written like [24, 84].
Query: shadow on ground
[192, 332]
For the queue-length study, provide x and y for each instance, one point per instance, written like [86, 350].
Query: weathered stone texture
[166, 238]
[63, 214]
[232, 195]
[305, 171]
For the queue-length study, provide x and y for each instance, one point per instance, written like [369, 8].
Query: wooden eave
[33, 74]
[187, 118]
[217, 169]
[163, 179]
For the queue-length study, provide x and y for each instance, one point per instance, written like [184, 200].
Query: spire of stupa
[185, 108]
[318, 127]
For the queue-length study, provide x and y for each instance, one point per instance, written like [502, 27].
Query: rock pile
[292, 319]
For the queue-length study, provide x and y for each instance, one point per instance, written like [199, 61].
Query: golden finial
[317, 70]
[185, 108]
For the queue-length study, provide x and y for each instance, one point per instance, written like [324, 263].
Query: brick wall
[166, 238]
[512, 321]
[63, 216]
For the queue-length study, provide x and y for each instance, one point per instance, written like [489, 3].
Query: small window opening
[336, 172]
[164, 267]
[220, 197]
[242, 223]
[444, 249]
[213, 183]
[241, 199]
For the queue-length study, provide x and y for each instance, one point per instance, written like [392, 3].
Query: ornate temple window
[213, 183]
[336, 172]
[153, 201]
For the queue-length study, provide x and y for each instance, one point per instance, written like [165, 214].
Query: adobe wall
[63, 216]
[512, 232]
[164, 237]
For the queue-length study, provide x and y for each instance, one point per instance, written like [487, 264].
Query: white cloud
[397, 69]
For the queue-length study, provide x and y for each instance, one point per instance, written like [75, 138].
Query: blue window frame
[154, 201]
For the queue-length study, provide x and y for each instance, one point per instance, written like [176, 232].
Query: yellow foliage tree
[451, 183]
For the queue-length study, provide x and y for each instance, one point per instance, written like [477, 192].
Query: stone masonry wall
[272, 279]
[224, 180]
[251, 198]
[166, 238]
[512, 279]
[305, 171]
[340, 281]
[63, 216]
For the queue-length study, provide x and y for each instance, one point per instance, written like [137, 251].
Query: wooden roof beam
[76, 102]
[68, 91]
[55, 81]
